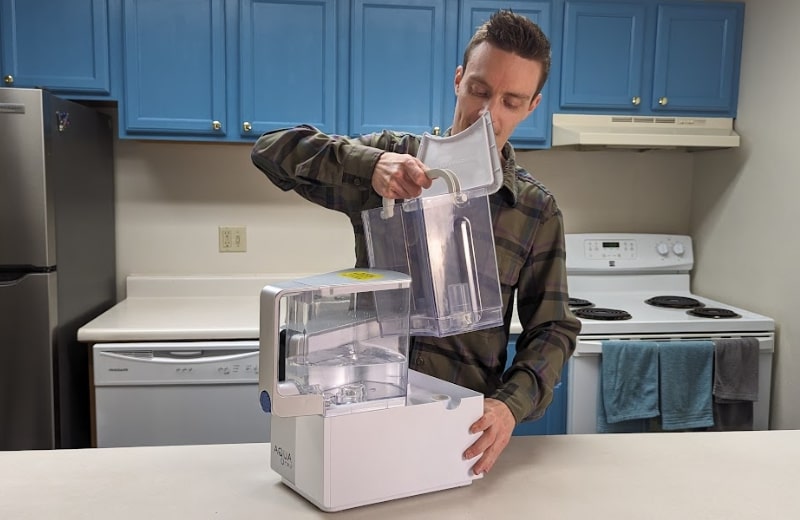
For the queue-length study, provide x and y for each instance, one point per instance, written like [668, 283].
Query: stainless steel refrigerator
[57, 263]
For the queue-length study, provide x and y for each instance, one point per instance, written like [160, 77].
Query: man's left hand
[497, 424]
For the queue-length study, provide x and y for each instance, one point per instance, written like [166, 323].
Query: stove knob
[662, 249]
[678, 249]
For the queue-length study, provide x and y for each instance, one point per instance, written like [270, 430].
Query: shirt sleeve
[549, 327]
[330, 170]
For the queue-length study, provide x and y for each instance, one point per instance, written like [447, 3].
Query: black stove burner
[674, 302]
[578, 302]
[713, 312]
[600, 313]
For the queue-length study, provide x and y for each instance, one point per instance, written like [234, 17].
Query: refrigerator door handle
[12, 276]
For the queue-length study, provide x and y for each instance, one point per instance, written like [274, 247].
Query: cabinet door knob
[246, 126]
[663, 101]
[437, 130]
[9, 80]
[636, 100]
[216, 125]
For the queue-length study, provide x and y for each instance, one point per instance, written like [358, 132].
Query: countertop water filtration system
[351, 424]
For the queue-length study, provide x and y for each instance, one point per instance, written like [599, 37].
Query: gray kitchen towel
[732, 416]
[735, 383]
[736, 369]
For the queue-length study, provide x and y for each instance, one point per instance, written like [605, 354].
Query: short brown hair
[516, 34]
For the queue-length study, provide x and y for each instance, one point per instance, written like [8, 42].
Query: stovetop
[618, 273]
[647, 319]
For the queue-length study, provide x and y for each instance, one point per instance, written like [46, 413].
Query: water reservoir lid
[472, 155]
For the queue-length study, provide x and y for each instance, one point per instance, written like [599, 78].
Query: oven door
[584, 376]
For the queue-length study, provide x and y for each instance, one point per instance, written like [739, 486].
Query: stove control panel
[597, 249]
[607, 252]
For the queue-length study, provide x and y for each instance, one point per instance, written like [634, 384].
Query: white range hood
[642, 132]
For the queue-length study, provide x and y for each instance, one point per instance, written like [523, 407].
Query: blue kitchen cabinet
[175, 68]
[534, 132]
[603, 50]
[697, 54]
[289, 57]
[554, 421]
[401, 64]
[57, 45]
[651, 58]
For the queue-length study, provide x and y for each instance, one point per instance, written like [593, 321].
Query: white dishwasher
[172, 393]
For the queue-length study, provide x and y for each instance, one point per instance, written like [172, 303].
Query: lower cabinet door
[554, 420]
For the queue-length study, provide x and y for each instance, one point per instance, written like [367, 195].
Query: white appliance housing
[348, 455]
[373, 456]
[642, 132]
[620, 271]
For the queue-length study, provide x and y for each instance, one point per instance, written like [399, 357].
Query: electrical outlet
[232, 239]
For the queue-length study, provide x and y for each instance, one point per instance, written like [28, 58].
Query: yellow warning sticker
[361, 275]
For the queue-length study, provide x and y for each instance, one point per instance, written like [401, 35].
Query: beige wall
[617, 191]
[171, 198]
[744, 211]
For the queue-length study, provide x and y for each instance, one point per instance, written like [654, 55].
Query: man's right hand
[399, 176]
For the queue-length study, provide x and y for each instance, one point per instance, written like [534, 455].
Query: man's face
[500, 82]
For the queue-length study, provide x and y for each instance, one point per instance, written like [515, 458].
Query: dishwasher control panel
[184, 362]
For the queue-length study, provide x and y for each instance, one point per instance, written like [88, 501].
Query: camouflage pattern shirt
[335, 172]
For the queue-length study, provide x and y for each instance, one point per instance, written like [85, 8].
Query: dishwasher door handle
[181, 358]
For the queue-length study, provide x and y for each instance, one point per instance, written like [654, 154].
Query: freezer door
[26, 216]
[27, 323]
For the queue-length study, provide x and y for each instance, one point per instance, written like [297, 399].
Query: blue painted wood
[61, 46]
[697, 56]
[534, 132]
[602, 55]
[554, 421]
[397, 65]
[175, 67]
[649, 57]
[284, 83]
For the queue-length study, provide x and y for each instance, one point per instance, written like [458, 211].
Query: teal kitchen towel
[629, 385]
[685, 372]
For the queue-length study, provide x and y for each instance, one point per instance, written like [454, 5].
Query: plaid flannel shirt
[335, 172]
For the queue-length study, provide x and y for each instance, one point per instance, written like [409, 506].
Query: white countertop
[167, 308]
[175, 308]
[731, 475]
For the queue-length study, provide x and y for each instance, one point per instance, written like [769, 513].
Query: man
[504, 69]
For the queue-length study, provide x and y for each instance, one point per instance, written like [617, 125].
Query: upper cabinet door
[398, 75]
[288, 67]
[601, 64]
[57, 45]
[698, 48]
[535, 130]
[175, 69]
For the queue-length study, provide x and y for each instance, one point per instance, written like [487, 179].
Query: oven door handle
[588, 348]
